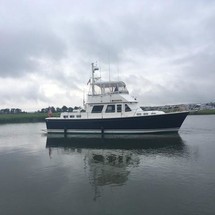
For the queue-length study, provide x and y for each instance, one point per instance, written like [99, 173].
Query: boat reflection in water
[110, 160]
[168, 141]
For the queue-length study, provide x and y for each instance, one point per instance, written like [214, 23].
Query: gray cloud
[20, 49]
[164, 48]
[154, 30]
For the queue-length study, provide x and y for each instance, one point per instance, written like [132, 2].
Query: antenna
[118, 71]
[93, 80]
[84, 98]
[109, 71]
[100, 70]
[109, 64]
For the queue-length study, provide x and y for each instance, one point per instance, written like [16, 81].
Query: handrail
[135, 111]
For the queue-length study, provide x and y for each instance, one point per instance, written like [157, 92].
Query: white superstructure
[108, 100]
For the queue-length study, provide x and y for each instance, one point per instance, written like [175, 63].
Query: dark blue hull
[141, 124]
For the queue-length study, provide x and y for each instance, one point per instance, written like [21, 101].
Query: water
[161, 174]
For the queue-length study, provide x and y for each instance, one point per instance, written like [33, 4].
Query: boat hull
[170, 122]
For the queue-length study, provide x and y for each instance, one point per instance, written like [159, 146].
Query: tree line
[43, 110]
[11, 111]
[59, 110]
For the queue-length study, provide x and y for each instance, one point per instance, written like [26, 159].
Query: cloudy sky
[163, 49]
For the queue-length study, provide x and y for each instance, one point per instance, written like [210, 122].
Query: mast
[94, 68]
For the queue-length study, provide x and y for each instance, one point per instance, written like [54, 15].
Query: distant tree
[17, 110]
[64, 108]
[70, 109]
[58, 110]
[43, 110]
[6, 111]
[52, 109]
[77, 108]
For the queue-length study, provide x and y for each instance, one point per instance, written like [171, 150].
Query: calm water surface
[161, 174]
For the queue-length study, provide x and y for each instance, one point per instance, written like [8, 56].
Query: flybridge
[111, 87]
[106, 87]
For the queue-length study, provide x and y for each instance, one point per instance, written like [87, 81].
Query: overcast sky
[163, 49]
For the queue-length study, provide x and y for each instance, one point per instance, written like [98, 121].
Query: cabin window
[78, 116]
[110, 109]
[119, 108]
[97, 109]
[127, 108]
[72, 116]
[138, 114]
[65, 116]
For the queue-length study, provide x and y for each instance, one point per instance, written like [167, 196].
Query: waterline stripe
[111, 131]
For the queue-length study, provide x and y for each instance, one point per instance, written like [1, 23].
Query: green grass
[202, 112]
[23, 117]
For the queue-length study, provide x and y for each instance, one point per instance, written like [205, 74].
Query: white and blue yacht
[109, 109]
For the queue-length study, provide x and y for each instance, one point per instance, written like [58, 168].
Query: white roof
[106, 84]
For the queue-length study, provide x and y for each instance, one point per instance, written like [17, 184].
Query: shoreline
[23, 118]
[202, 112]
[40, 117]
